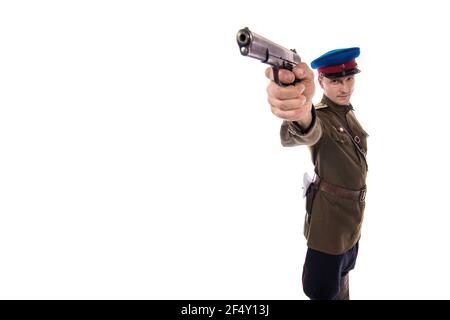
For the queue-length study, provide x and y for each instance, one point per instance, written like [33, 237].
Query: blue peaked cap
[335, 57]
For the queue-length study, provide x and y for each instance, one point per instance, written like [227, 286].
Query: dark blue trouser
[322, 272]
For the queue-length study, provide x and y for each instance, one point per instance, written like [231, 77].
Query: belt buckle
[362, 195]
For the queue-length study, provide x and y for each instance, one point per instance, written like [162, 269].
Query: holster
[310, 194]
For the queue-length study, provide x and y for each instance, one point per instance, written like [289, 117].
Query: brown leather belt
[341, 192]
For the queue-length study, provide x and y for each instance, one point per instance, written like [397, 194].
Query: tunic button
[341, 129]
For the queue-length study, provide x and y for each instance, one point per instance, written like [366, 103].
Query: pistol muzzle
[244, 39]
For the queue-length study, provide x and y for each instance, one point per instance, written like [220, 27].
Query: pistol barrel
[258, 47]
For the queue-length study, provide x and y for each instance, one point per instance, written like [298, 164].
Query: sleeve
[292, 134]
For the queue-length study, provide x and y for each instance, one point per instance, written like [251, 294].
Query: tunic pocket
[339, 134]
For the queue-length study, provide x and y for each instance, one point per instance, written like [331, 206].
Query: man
[335, 201]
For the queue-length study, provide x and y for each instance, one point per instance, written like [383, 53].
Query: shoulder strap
[320, 105]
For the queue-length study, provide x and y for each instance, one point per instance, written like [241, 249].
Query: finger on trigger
[286, 76]
[301, 71]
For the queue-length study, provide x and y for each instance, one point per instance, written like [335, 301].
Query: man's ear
[321, 82]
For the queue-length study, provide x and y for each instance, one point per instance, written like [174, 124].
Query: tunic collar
[343, 109]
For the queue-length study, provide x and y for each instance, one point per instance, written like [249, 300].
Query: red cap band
[338, 67]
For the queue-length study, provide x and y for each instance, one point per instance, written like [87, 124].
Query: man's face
[339, 90]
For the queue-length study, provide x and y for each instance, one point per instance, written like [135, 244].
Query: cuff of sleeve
[294, 127]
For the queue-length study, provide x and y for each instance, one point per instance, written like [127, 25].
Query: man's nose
[345, 87]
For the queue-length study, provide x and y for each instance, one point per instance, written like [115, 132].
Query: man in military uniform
[335, 200]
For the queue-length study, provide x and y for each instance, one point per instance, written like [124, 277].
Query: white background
[139, 158]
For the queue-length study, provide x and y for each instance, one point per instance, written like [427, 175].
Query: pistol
[255, 46]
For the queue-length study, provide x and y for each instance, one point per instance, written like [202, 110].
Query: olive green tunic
[335, 222]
